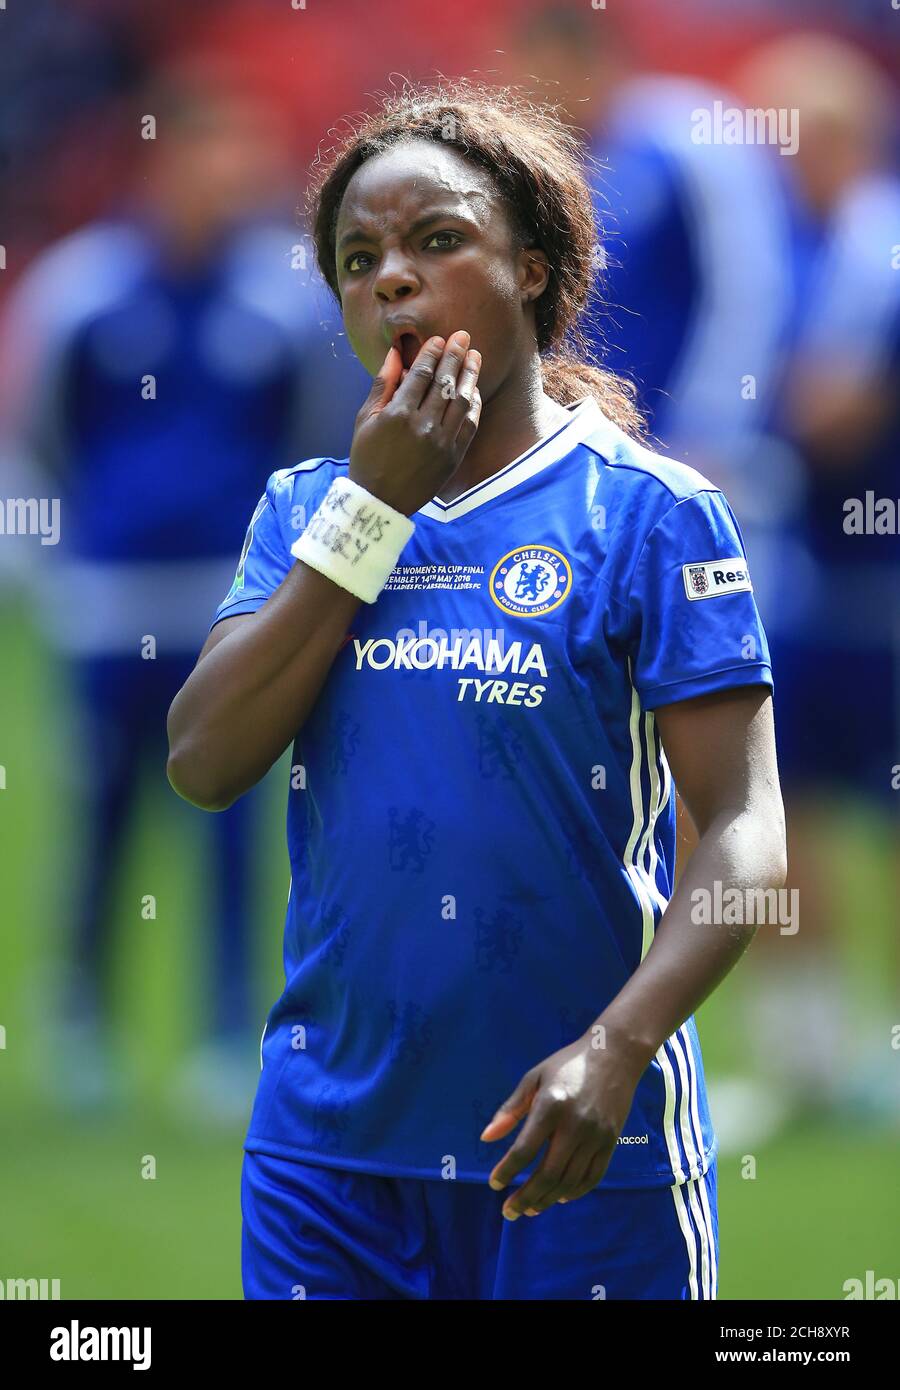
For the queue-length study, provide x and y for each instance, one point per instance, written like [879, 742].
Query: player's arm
[260, 674]
[255, 682]
[721, 749]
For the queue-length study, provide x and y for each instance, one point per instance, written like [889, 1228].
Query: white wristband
[354, 538]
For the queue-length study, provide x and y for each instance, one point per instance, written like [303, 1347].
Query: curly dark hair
[537, 164]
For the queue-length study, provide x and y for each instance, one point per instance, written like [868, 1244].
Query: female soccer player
[490, 633]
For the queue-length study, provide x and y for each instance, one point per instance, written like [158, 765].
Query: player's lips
[407, 337]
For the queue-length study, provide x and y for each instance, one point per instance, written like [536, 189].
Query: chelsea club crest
[530, 581]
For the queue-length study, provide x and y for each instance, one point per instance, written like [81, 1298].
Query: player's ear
[533, 273]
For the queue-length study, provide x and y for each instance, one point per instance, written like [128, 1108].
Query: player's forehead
[395, 189]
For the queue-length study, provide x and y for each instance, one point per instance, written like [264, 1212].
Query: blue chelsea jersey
[481, 821]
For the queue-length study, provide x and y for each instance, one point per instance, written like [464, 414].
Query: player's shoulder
[81, 274]
[291, 496]
[302, 480]
[654, 109]
[638, 478]
[298, 473]
[91, 246]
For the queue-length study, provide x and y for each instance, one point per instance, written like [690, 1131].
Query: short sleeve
[263, 563]
[694, 620]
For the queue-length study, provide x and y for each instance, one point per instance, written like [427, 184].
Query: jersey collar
[586, 418]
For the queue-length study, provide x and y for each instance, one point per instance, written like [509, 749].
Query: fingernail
[512, 1215]
[496, 1184]
[462, 338]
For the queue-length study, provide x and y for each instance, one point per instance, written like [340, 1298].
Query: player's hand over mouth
[415, 426]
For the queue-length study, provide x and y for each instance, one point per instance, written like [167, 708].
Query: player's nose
[396, 278]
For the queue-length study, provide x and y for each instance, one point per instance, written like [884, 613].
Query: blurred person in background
[693, 272]
[159, 363]
[835, 627]
[693, 246]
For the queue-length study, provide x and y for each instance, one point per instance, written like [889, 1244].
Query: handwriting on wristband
[350, 537]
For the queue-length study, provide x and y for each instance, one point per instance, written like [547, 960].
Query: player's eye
[433, 236]
[359, 261]
[356, 256]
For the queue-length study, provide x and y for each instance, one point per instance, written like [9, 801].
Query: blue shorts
[328, 1233]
